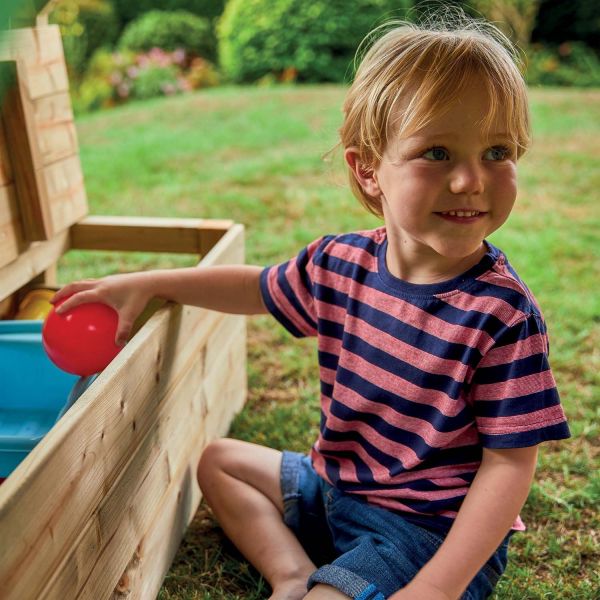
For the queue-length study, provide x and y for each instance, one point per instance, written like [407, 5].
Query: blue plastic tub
[34, 393]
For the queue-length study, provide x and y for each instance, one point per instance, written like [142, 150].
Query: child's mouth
[464, 216]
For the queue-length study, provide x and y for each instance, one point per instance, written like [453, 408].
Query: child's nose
[466, 178]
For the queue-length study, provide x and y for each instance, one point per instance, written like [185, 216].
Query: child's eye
[497, 153]
[436, 153]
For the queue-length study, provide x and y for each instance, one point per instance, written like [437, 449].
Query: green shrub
[569, 64]
[129, 10]
[85, 25]
[169, 31]
[315, 40]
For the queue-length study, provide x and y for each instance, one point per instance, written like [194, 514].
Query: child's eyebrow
[454, 135]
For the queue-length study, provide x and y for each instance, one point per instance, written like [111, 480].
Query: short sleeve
[287, 291]
[513, 391]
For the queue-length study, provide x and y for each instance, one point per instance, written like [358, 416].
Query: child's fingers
[76, 299]
[123, 330]
[72, 288]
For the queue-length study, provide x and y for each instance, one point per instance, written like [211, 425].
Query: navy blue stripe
[515, 298]
[272, 307]
[521, 405]
[366, 243]
[518, 332]
[536, 364]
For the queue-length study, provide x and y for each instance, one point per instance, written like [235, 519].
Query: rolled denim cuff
[347, 582]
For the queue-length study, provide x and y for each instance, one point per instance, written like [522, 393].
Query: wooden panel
[67, 201]
[39, 257]
[192, 236]
[55, 127]
[79, 469]
[39, 54]
[41, 135]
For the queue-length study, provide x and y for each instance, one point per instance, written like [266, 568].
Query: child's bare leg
[240, 482]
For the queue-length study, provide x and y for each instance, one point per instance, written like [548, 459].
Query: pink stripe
[544, 417]
[355, 255]
[513, 388]
[500, 276]
[489, 305]
[399, 386]
[535, 344]
[429, 496]
[391, 504]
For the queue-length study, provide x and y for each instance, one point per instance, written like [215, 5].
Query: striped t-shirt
[416, 379]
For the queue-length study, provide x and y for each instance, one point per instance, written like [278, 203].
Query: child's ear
[364, 174]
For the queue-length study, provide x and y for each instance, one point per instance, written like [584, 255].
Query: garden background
[207, 108]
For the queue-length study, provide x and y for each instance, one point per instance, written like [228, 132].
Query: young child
[435, 382]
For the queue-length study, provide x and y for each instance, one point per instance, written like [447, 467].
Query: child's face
[446, 187]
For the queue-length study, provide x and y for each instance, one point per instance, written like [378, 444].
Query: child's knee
[214, 459]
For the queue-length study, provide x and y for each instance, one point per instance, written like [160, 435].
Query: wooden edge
[39, 257]
[148, 234]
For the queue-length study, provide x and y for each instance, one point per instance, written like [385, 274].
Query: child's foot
[290, 590]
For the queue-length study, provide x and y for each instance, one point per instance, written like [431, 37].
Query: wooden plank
[66, 196]
[11, 235]
[155, 552]
[55, 127]
[24, 156]
[193, 236]
[138, 490]
[45, 504]
[30, 263]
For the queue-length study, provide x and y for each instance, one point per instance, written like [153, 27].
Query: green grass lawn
[254, 155]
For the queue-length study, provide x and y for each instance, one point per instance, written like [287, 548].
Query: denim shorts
[365, 551]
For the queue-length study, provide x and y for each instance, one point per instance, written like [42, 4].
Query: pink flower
[133, 72]
[179, 56]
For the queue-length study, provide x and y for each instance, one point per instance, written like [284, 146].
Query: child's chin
[459, 251]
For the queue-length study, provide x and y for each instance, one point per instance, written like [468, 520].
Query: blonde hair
[412, 72]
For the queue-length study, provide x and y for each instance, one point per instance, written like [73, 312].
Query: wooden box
[98, 508]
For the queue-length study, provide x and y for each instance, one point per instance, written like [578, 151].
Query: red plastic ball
[82, 340]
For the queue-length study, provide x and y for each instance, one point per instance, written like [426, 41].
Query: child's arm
[228, 288]
[494, 500]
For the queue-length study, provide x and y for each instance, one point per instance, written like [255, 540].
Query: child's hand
[128, 294]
